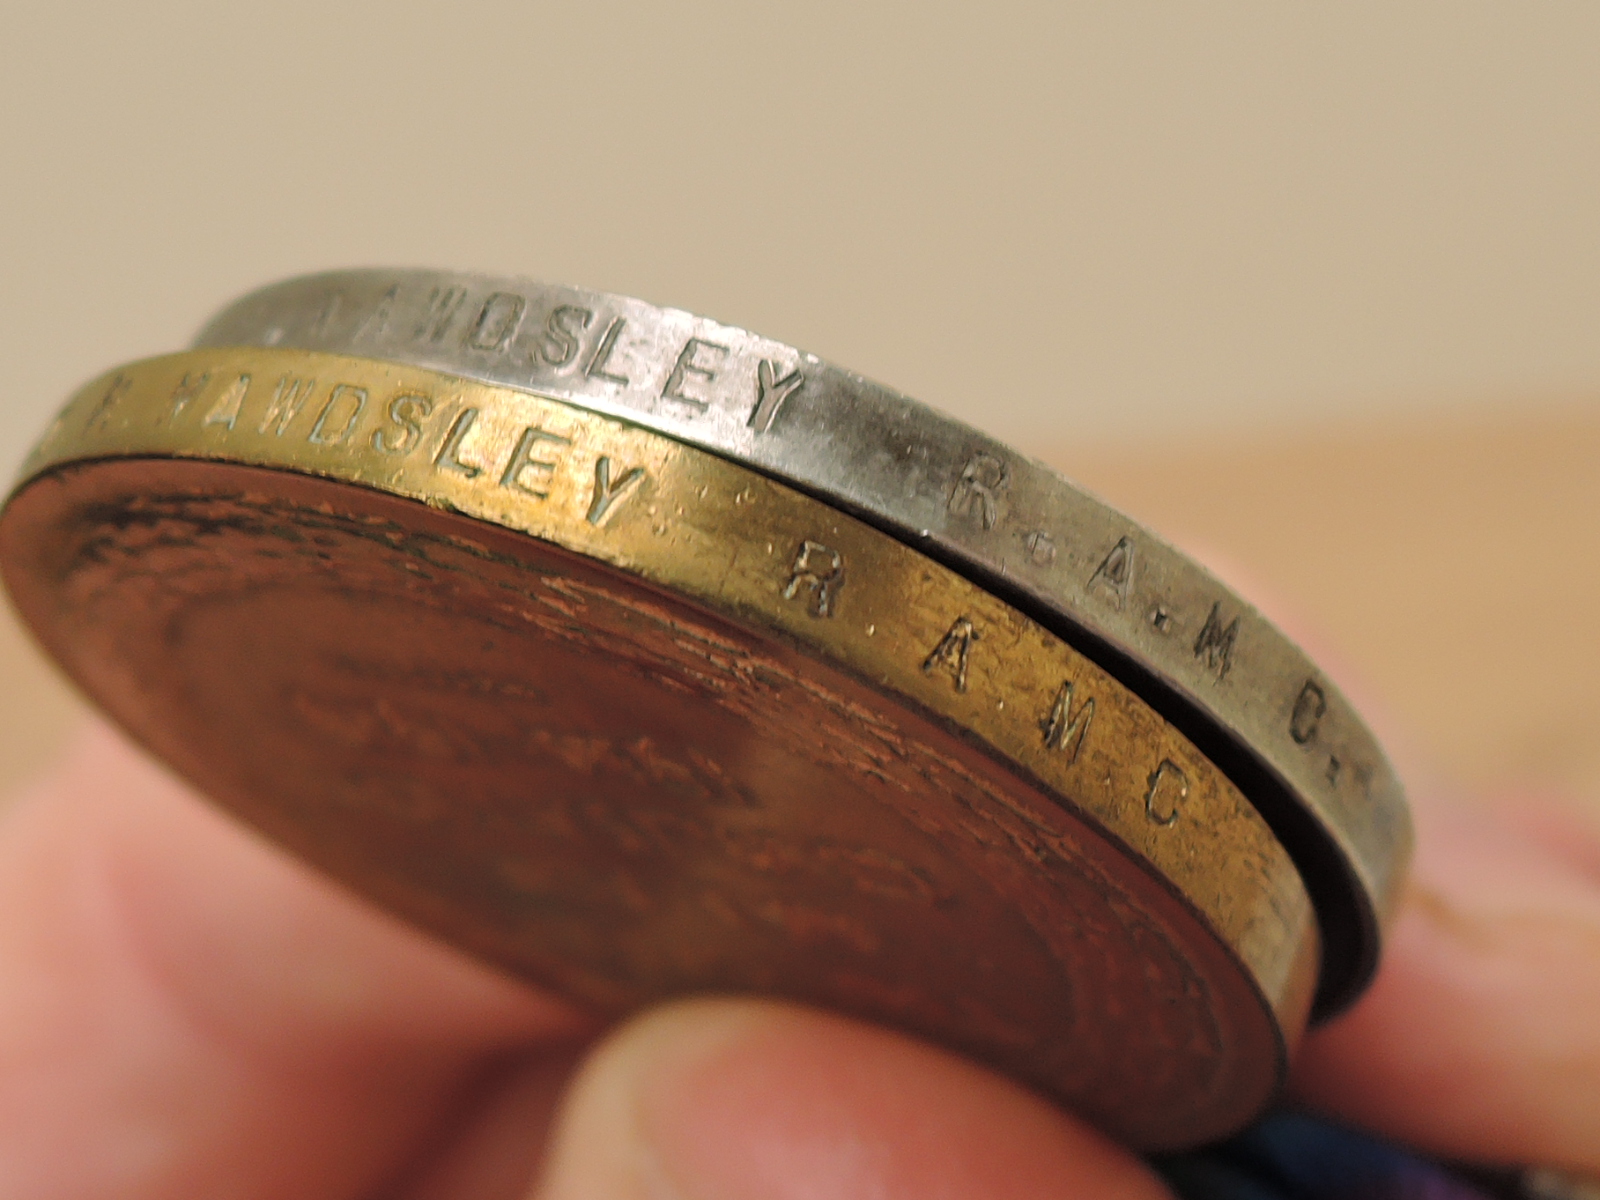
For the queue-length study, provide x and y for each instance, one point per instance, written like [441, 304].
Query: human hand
[188, 1012]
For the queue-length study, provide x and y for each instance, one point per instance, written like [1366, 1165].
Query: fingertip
[733, 1100]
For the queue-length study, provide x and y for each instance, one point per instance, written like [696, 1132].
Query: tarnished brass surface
[635, 721]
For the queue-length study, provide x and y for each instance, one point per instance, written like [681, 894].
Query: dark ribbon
[1290, 1156]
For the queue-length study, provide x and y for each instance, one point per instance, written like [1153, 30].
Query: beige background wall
[1063, 220]
[1318, 285]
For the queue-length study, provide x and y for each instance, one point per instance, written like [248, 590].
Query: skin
[187, 1011]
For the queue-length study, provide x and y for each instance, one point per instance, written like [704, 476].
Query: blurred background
[1314, 290]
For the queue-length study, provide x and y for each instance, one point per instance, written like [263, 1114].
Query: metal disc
[615, 731]
[1211, 664]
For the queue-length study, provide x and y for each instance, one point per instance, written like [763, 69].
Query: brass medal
[634, 721]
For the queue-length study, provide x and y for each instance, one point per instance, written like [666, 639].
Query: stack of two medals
[644, 656]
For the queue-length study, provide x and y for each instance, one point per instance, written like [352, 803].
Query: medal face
[634, 722]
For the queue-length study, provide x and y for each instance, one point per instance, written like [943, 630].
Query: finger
[498, 1146]
[186, 1011]
[740, 1100]
[1479, 1039]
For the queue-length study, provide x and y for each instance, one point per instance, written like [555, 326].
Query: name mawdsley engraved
[581, 341]
[338, 414]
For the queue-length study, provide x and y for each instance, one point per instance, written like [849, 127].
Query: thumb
[735, 1100]
[1478, 1040]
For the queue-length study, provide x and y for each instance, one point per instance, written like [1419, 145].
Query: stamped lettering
[563, 334]
[442, 305]
[498, 321]
[1334, 768]
[1168, 789]
[1063, 729]
[607, 492]
[117, 389]
[327, 313]
[1363, 775]
[699, 358]
[1214, 646]
[602, 354]
[288, 398]
[377, 323]
[771, 391]
[224, 410]
[1114, 575]
[339, 415]
[188, 388]
[983, 479]
[952, 652]
[1309, 707]
[1041, 548]
[1161, 619]
[820, 570]
[406, 412]
[449, 456]
[522, 461]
